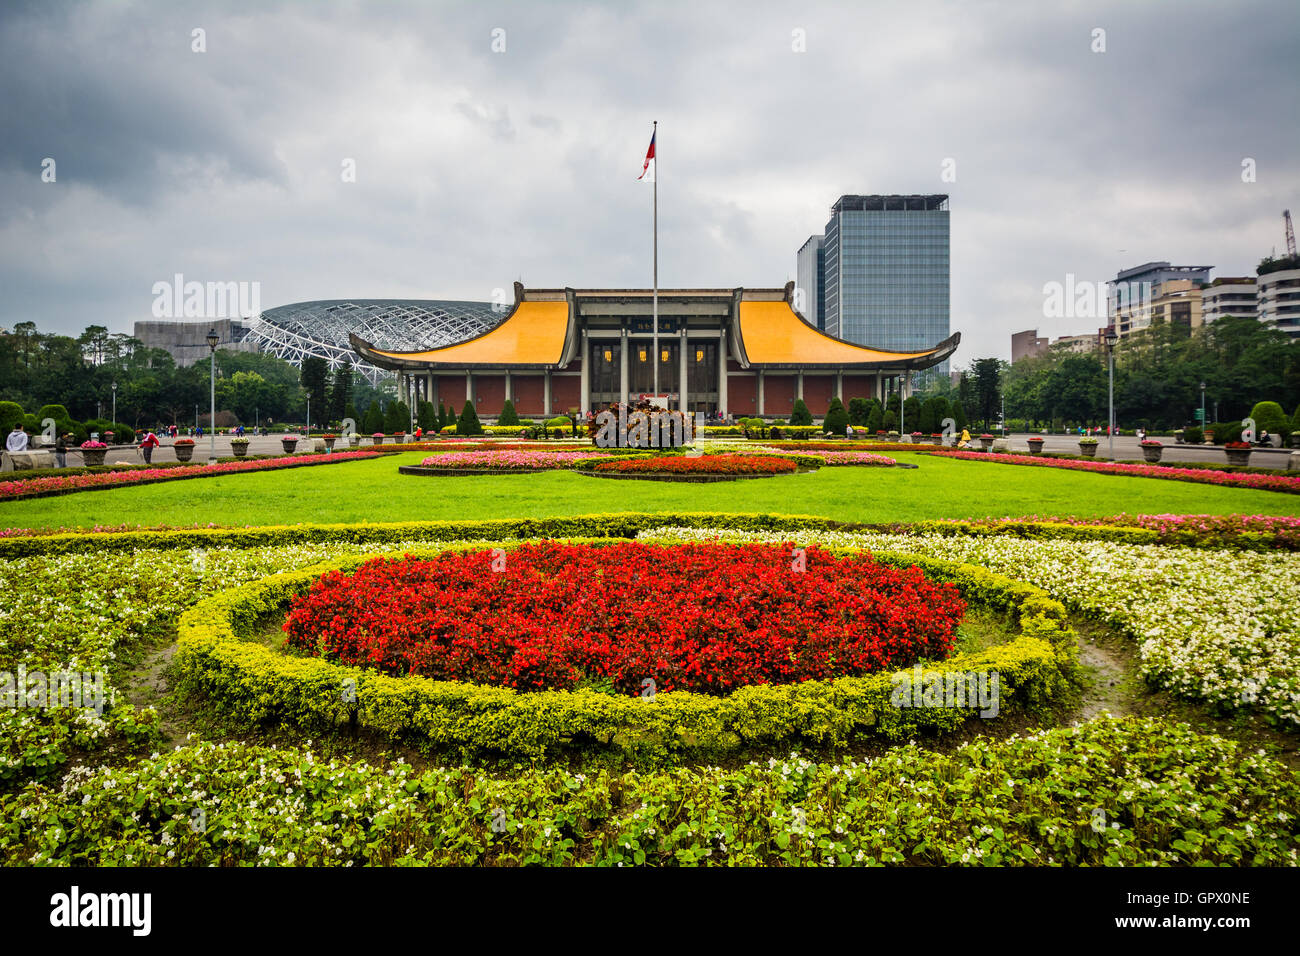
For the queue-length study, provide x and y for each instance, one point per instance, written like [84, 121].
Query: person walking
[147, 445]
[61, 451]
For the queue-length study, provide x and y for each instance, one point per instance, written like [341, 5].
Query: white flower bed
[1222, 626]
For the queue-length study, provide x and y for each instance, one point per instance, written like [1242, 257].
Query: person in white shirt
[17, 440]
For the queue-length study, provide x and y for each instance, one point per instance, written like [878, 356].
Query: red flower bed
[700, 617]
[704, 465]
[56, 484]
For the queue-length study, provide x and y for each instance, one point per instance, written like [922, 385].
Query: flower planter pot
[239, 449]
[94, 456]
[288, 446]
[1152, 454]
[1036, 447]
[183, 452]
[329, 443]
[1238, 456]
[379, 439]
[1295, 438]
[986, 443]
[1088, 451]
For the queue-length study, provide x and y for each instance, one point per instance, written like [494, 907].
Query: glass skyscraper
[886, 272]
[810, 299]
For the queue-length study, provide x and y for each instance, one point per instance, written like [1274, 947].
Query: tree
[959, 416]
[340, 392]
[315, 381]
[468, 423]
[987, 387]
[800, 415]
[427, 416]
[837, 418]
[508, 414]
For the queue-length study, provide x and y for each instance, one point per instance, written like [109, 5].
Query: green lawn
[374, 491]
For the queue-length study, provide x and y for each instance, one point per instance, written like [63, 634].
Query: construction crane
[1290, 233]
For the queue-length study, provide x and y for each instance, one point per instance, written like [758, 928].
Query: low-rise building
[1278, 300]
[1229, 296]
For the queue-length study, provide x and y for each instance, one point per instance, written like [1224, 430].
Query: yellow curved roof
[772, 332]
[533, 335]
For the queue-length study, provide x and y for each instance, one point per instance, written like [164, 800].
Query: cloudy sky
[475, 167]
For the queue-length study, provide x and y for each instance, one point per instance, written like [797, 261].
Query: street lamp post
[115, 403]
[1203, 423]
[213, 339]
[1111, 338]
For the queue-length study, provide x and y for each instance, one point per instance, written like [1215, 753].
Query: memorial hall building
[742, 352]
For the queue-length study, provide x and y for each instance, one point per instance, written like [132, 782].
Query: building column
[839, 386]
[584, 395]
[682, 368]
[510, 395]
[622, 364]
[546, 391]
[798, 386]
[428, 388]
[722, 372]
[469, 389]
[762, 407]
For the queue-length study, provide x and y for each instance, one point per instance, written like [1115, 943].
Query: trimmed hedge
[257, 685]
[625, 525]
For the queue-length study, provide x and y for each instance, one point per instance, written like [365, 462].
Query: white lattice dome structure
[301, 329]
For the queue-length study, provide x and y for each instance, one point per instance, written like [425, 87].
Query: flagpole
[654, 138]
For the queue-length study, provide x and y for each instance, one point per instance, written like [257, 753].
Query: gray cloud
[475, 168]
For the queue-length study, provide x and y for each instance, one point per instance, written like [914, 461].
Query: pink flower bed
[507, 460]
[1231, 479]
[35, 487]
[855, 458]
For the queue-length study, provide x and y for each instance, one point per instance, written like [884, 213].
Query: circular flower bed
[729, 465]
[701, 617]
[480, 461]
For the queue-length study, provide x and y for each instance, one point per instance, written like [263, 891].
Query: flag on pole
[648, 170]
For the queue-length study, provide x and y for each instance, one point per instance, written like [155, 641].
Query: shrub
[397, 418]
[1269, 417]
[1225, 432]
[373, 420]
[859, 409]
[468, 423]
[837, 418]
[57, 412]
[1193, 435]
[890, 421]
[122, 434]
[10, 412]
[508, 414]
[875, 417]
[800, 414]
[933, 412]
